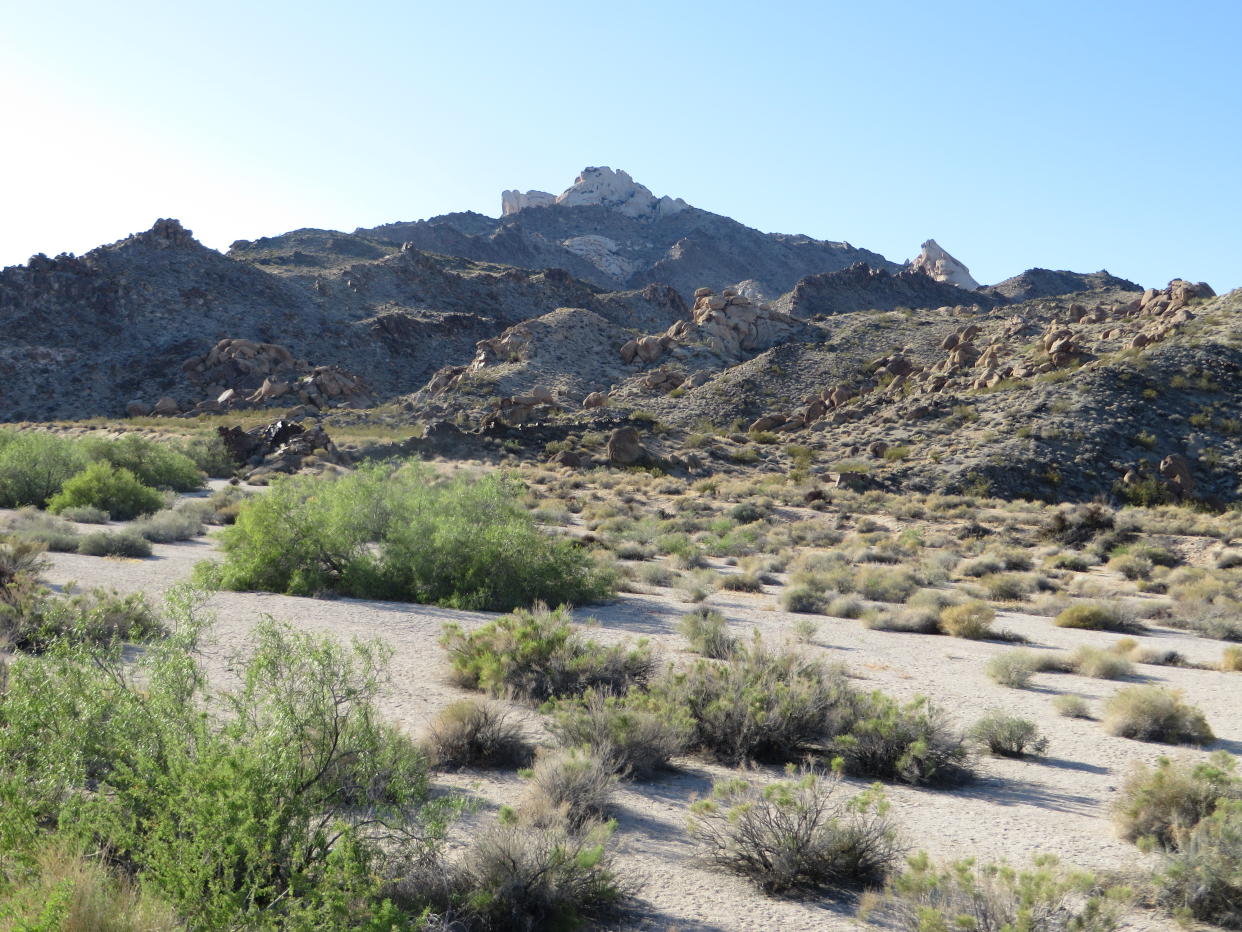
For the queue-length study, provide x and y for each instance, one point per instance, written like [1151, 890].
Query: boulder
[625, 447]
[137, 409]
[166, 407]
[1176, 470]
[595, 400]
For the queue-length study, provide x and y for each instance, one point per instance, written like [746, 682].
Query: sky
[1066, 135]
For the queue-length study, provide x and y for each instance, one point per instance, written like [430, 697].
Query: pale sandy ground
[1057, 804]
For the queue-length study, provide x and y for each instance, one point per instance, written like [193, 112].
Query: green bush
[803, 600]
[1015, 668]
[474, 733]
[124, 543]
[708, 633]
[34, 620]
[911, 743]
[760, 704]
[403, 534]
[1008, 735]
[539, 655]
[34, 465]
[115, 490]
[209, 455]
[282, 804]
[1161, 804]
[995, 898]
[638, 733]
[885, 585]
[1203, 878]
[969, 620]
[165, 527]
[1153, 713]
[796, 834]
[156, 464]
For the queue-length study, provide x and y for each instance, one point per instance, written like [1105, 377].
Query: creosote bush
[539, 655]
[1153, 713]
[124, 543]
[569, 786]
[797, 833]
[911, 743]
[403, 534]
[1045, 897]
[476, 733]
[1008, 735]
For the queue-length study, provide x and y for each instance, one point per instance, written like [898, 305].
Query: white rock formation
[601, 252]
[601, 187]
[941, 266]
[513, 201]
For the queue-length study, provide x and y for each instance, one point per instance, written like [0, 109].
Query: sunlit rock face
[941, 266]
[598, 187]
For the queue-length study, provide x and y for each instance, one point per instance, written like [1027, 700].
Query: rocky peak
[941, 266]
[598, 187]
[166, 234]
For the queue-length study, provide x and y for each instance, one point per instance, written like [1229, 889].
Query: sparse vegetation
[476, 733]
[1153, 713]
[1008, 735]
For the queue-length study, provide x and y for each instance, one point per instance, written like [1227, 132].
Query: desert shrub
[1231, 660]
[226, 504]
[34, 465]
[1014, 668]
[1131, 566]
[1075, 562]
[968, 620]
[280, 804]
[994, 898]
[885, 585]
[843, 607]
[747, 513]
[475, 733]
[796, 834]
[984, 565]
[539, 655]
[1008, 735]
[1094, 616]
[1203, 878]
[805, 630]
[380, 533]
[1153, 713]
[911, 743]
[658, 574]
[1071, 706]
[517, 876]
[803, 600]
[637, 733]
[708, 633]
[53, 533]
[40, 619]
[169, 525]
[1006, 587]
[760, 704]
[1164, 802]
[570, 786]
[85, 514]
[907, 620]
[209, 454]
[114, 544]
[1078, 524]
[741, 582]
[114, 490]
[155, 464]
[1100, 664]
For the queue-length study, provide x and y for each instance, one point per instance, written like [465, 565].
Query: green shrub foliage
[34, 465]
[113, 489]
[403, 534]
[156, 464]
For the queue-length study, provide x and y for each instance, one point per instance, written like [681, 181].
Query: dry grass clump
[1008, 735]
[1131, 566]
[906, 620]
[1231, 660]
[885, 585]
[52, 532]
[1015, 668]
[796, 834]
[1007, 587]
[476, 733]
[971, 620]
[658, 574]
[124, 543]
[169, 525]
[1153, 713]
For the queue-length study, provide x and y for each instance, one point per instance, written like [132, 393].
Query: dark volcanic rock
[1044, 283]
[861, 287]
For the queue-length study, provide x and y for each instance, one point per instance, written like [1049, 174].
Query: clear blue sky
[1078, 135]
